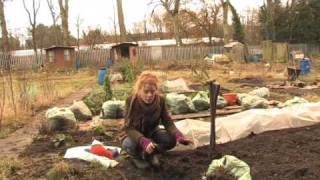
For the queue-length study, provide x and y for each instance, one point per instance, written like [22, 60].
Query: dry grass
[60, 170]
[8, 167]
[35, 91]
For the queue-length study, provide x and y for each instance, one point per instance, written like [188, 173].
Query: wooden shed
[61, 57]
[235, 51]
[123, 50]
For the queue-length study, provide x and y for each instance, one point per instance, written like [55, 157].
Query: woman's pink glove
[147, 145]
[182, 139]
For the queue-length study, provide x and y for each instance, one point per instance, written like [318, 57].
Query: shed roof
[59, 47]
[124, 44]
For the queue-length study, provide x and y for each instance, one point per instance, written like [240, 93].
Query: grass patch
[36, 91]
[9, 167]
[13, 123]
[60, 170]
[99, 172]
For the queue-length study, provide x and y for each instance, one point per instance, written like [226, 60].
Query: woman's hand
[185, 141]
[150, 148]
[147, 145]
[182, 139]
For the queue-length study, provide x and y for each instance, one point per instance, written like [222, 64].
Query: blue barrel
[101, 75]
[305, 66]
[78, 64]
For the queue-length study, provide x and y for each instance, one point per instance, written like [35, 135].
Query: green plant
[128, 71]
[138, 69]
[61, 140]
[199, 70]
[99, 130]
[95, 100]
[125, 69]
[107, 88]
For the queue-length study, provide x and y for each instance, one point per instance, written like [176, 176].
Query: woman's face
[148, 92]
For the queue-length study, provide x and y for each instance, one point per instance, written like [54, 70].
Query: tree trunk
[34, 43]
[54, 21]
[226, 36]
[175, 21]
[210, 39]
[123, 32]
[64, 8]
[5, 40]
[270, 15]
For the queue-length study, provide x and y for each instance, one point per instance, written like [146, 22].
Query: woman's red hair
[145, 77]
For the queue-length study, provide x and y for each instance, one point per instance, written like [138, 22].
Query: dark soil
[278, 155]
[297, 92]
[249, 81]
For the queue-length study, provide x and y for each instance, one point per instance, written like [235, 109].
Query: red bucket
[231, 98]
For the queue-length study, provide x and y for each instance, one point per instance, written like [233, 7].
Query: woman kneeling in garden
[145, 111]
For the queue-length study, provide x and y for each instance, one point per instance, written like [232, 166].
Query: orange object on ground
[99, 150]
[231, 98]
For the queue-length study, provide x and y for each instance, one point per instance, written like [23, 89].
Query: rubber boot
[140, 163]
[153, 159]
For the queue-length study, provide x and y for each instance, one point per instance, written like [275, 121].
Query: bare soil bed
[277, 155]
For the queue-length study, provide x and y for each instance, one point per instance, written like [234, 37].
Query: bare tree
[3, 98]
[93, 37]
[157, 23]
[206, 18]
[55, 17]
[172, 7]
[64, 13]
[5, 39]
[78, 24]
[123, 32]
[226, 34]
[252, 27]
[138, 27]
[32, 15]
[114, 23]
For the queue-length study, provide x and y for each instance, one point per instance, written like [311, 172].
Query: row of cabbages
[65, 118]
[257, 99]
[61, 119]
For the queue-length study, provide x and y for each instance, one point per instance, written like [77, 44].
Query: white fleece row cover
[255, 121]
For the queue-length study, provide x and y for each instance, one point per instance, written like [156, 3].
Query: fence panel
[96, 57]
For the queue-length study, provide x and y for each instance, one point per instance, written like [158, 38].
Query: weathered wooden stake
[214, 89]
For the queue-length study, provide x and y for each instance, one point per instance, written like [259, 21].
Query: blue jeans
[161, 137]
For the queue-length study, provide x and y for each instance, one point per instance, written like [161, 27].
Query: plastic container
[99, 150]
[101, 75]
[231, 98]
[305, 66]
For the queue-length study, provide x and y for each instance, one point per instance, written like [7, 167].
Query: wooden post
[214, 89]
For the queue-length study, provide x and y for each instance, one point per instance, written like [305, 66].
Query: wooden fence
[308, 49]
[21, 62]
[176, 53]
[94, 58]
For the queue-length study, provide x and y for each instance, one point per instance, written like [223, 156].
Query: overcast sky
[94, 13]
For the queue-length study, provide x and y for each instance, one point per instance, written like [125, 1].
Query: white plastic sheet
[256, 121]
[83, 152]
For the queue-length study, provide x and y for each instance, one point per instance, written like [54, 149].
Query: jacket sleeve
[129, 129]
[166, 118]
